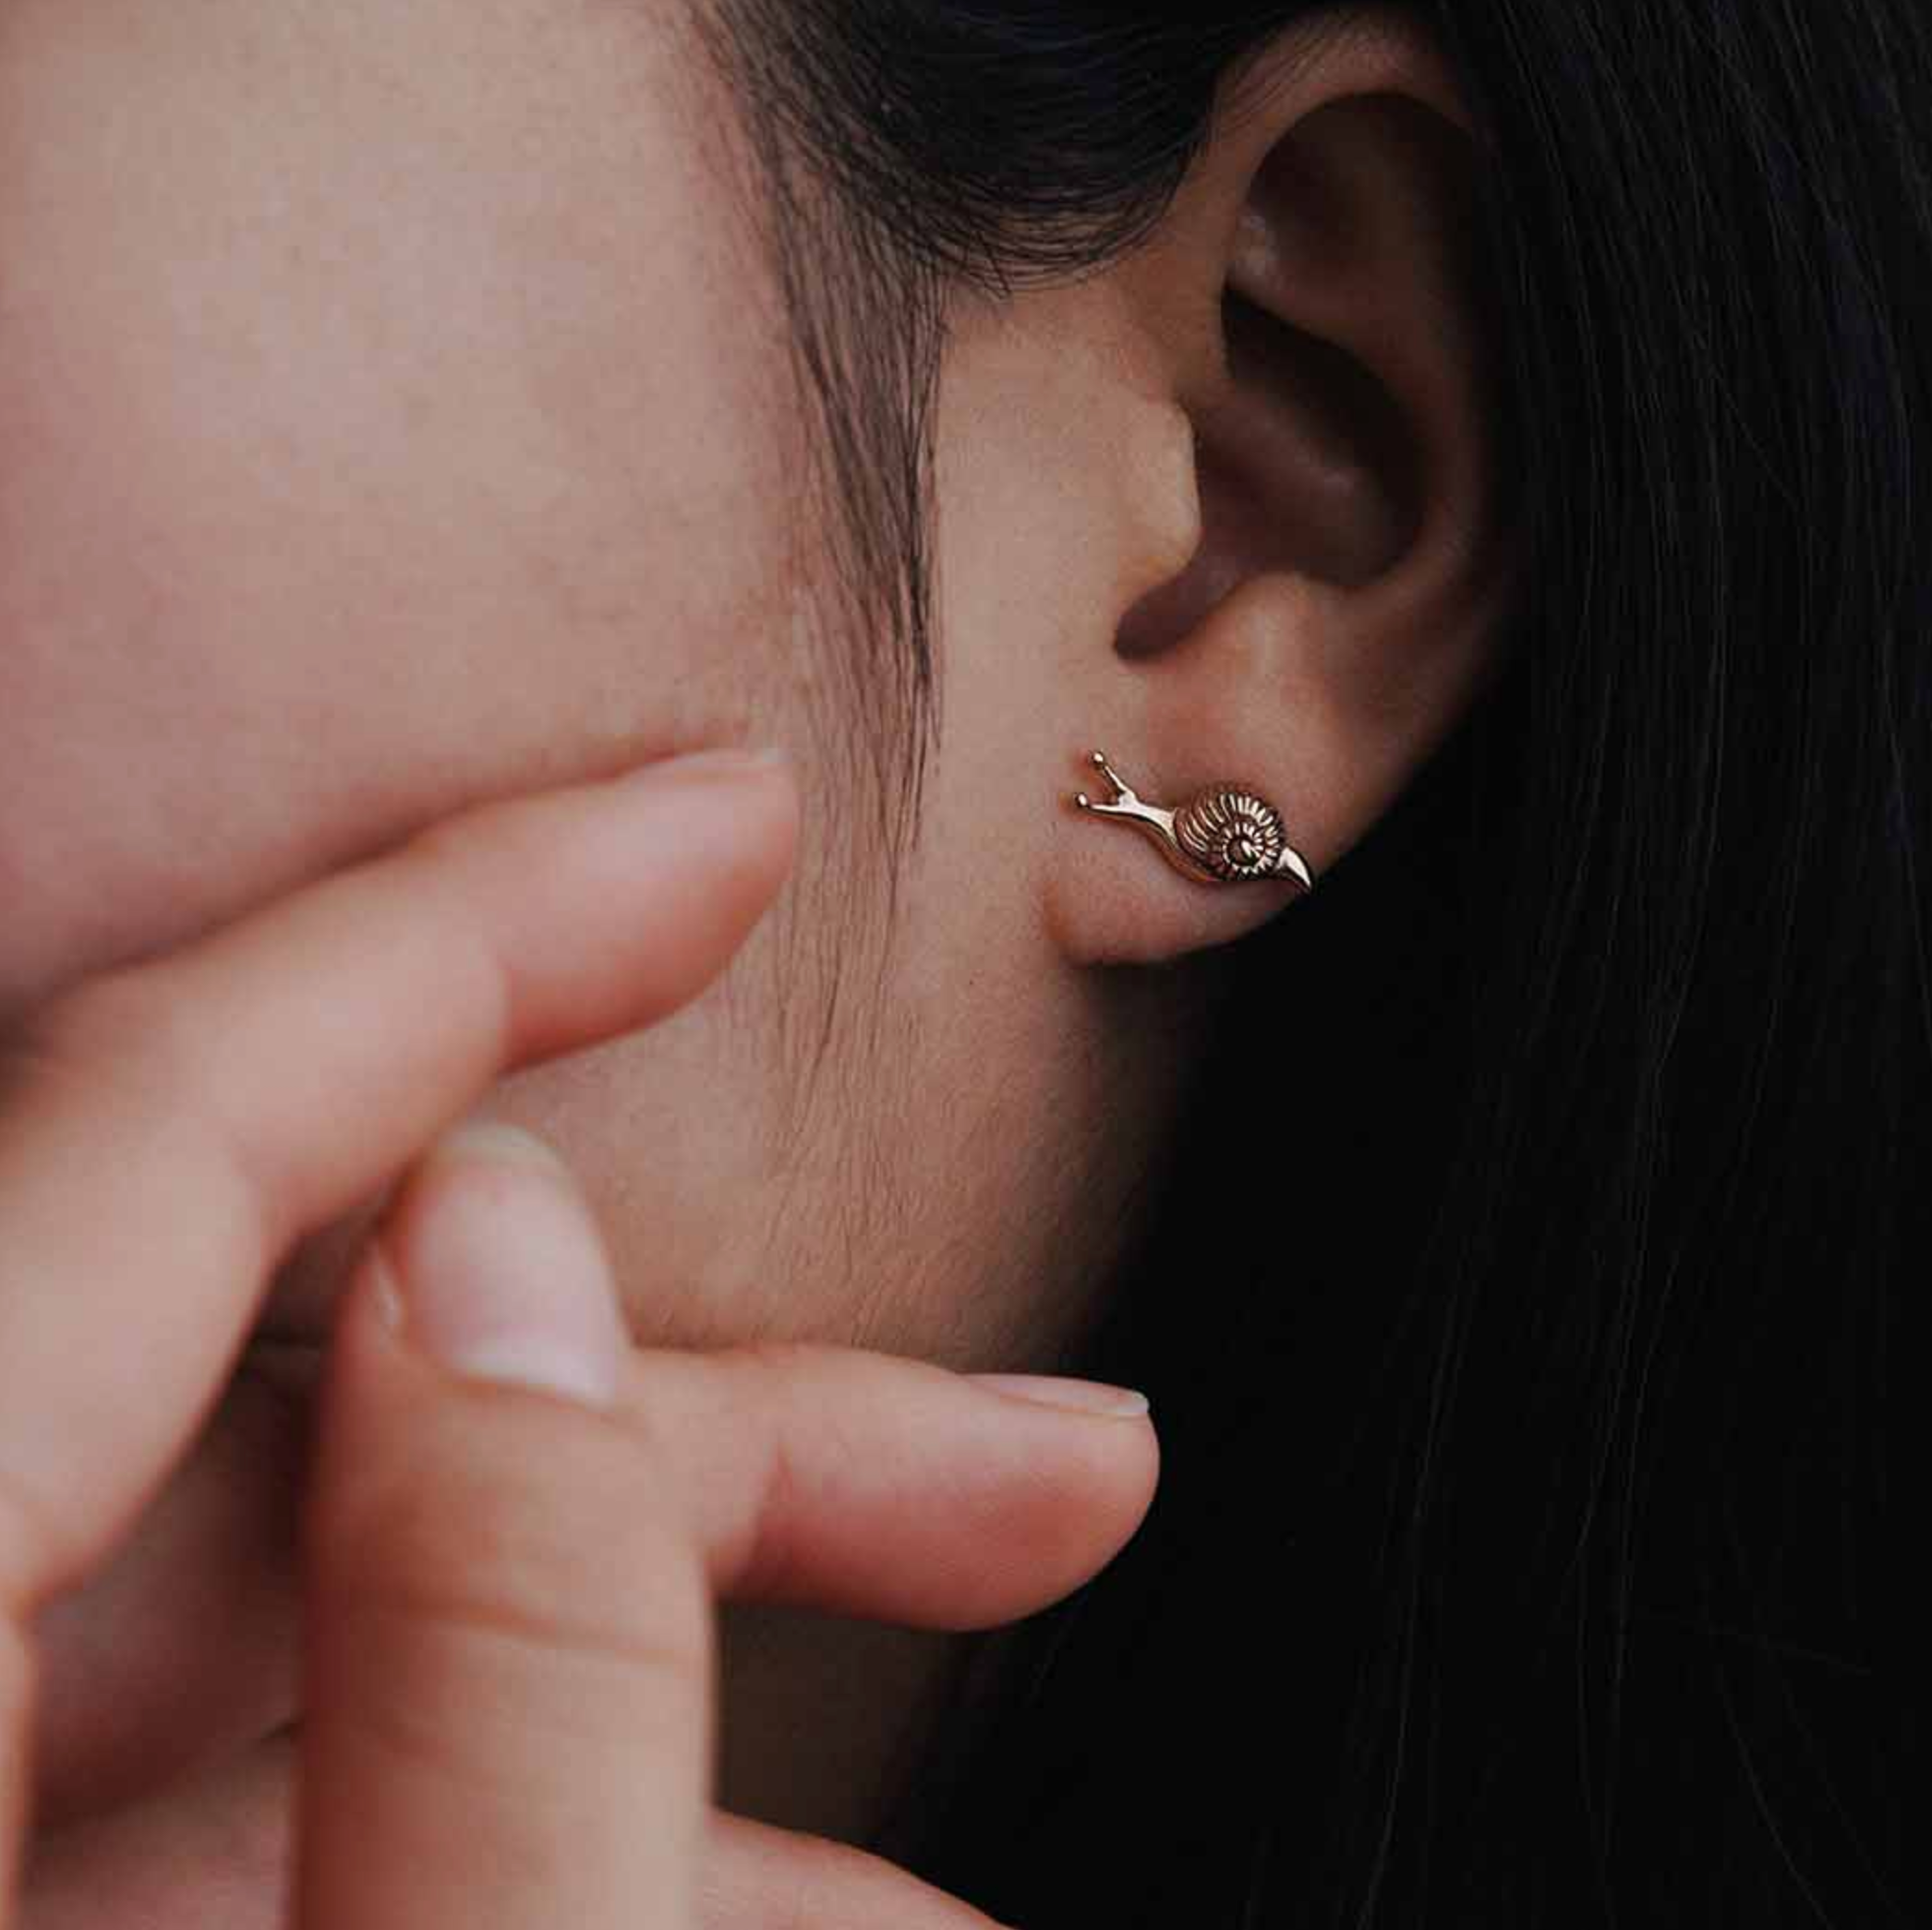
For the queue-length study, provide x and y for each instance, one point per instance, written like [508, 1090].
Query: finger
[888, 1490]
[169, 1130]
[510, 1652]
[753, 1875]
[822, 1476]
[203, 1851]
[208, 1852]
[134, 1696]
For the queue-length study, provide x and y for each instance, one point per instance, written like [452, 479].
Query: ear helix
[1225, 835]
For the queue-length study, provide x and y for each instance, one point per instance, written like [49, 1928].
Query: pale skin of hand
[509, 1593]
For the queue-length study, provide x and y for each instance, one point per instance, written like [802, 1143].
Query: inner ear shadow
[1307, 466]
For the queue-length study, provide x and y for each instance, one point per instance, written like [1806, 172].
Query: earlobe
[1344, 604]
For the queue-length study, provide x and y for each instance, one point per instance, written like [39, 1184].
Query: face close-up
[1220, 1251]
[396, 411]
[402, 407]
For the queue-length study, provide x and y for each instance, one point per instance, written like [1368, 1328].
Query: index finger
[169, 1130]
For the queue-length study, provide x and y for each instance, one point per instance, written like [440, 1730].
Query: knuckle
[127, 1040]
[773, 1555]
[509, 1614]
[140, 1051]
[774, 1563]
[573, 1563]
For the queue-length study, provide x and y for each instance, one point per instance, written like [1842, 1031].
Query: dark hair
[1529, 1541]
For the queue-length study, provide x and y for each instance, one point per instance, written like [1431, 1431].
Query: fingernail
[1083, 1397]
[500, 1268]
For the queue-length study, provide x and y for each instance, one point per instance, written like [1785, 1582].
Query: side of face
[396, 410]
[386, 419]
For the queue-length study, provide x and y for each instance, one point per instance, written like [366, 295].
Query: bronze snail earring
[1224, 836]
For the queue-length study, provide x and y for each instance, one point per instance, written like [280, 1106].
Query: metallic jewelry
[1224, 836]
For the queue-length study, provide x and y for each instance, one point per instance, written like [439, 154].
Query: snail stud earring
[1223, 835]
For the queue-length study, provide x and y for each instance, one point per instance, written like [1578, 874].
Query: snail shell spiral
[1232, 834]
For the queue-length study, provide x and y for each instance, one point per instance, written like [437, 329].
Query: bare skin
[518, 1520]
[396, 416]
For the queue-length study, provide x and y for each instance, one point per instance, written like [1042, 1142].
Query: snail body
[1225, 835]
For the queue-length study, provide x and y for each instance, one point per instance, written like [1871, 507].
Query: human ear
[1313, 304]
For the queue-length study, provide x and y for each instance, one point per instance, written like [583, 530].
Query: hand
[518, 1524]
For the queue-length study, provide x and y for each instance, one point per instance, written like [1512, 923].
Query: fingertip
[491, 1267]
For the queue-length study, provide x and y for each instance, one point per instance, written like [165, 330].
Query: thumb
[509, 1647]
